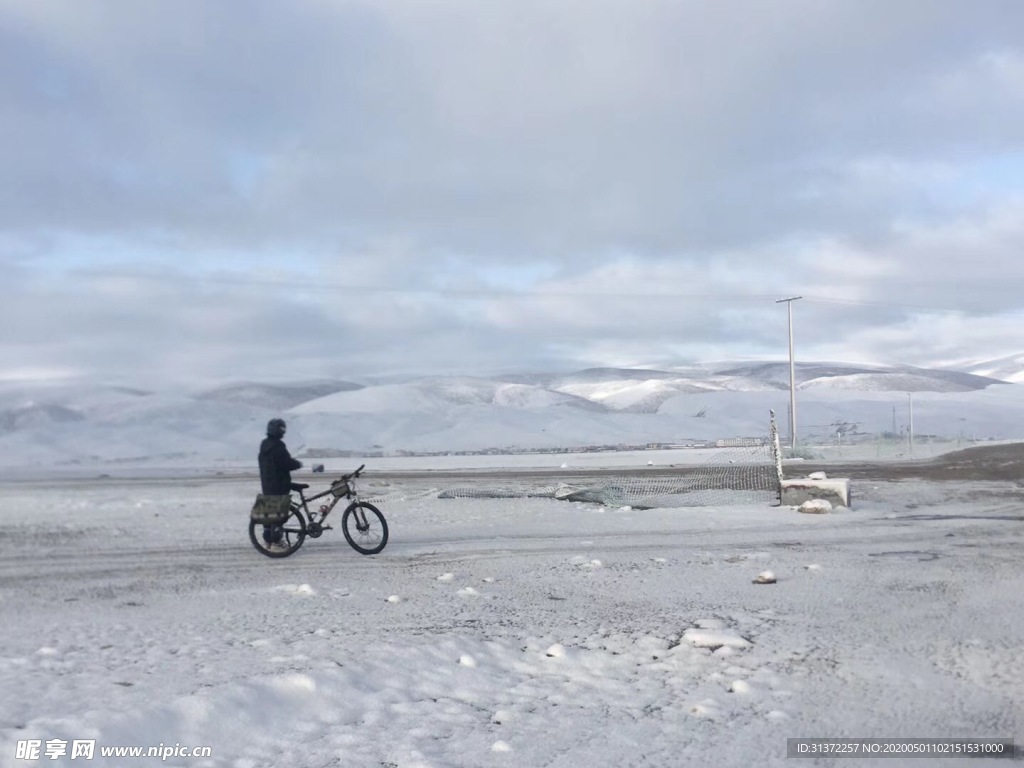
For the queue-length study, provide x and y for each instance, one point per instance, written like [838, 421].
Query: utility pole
[792, 374]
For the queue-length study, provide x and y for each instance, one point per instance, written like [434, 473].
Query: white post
[776, 452]
[792, 374]
[910, 401]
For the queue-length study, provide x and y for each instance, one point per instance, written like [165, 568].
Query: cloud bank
[213, 191]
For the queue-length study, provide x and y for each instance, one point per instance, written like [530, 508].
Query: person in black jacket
[276, 466]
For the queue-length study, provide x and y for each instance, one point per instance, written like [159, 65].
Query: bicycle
[362, 523]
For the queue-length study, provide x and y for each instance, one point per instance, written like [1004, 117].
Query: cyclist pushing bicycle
[276, 466]
[287, 523]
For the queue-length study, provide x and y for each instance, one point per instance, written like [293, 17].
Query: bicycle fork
[360, 515]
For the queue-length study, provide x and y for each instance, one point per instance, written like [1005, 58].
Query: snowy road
[508, 632]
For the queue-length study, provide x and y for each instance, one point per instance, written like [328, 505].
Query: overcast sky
[199, 191]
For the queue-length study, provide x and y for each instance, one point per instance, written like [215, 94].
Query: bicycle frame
[315, 526]
[352, 495]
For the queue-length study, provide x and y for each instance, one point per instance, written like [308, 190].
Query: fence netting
[730, 476]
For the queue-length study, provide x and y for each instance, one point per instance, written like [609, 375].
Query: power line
[319, 285]
[316, 285]
[880, 304]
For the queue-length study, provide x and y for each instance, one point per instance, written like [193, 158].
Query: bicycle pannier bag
[339, 488]
[271, 510]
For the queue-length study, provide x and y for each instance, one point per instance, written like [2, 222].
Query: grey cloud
[567, 126]
[716, 150]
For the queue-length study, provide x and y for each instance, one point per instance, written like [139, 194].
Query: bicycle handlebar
[346, 478]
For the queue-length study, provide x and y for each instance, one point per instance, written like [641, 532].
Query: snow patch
[716, 638]
[556, 651]
[815, 507]
[302, 590]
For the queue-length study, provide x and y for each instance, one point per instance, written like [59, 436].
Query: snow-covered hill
[1009, 368]
[280, 396]
[64, 424]
[438, 394]
[644, 391]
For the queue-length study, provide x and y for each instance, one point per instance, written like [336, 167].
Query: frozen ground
[576, 460]
[511, 632]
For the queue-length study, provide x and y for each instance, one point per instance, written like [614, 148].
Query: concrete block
[836, 491]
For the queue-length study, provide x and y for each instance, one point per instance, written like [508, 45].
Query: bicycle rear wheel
[365, 528]
[292, 533]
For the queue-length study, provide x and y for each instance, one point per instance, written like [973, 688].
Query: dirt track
[991, 463]
[997, 463]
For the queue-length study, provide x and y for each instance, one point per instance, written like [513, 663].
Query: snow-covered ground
[506, 632]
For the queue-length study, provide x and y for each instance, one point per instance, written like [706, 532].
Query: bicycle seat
[300, 486]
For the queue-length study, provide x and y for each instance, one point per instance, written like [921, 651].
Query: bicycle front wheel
[285, 539]
[365, 528]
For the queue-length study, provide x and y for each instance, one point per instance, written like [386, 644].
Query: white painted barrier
[836, 491]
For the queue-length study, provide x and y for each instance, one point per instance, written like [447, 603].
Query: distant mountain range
[71, 424]
[1009, 368]
[276, 396]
